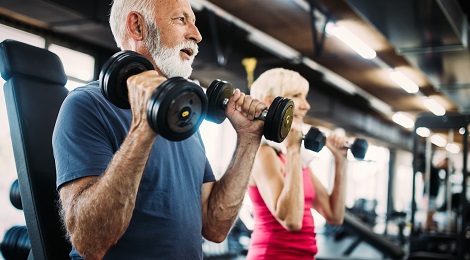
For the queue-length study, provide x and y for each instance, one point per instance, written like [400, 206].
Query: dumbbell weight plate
[15, 196]
[176, 109]
[314, 140]
[216, 93]
[278, 120]
[116, 70]
[359, 148]
[16, 243]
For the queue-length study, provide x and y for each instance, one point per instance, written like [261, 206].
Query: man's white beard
[169, 60]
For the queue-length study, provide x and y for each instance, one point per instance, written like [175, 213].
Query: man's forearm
[99, 214]
[228, 193]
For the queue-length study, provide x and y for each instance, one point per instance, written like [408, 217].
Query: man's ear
[135, 26]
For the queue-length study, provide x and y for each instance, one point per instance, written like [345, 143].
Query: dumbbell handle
[263, 115]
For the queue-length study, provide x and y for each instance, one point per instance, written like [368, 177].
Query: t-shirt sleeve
[80, 141]
[208, 173]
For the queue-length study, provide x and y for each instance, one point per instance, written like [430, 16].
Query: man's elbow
[216, 238]
[87, 251]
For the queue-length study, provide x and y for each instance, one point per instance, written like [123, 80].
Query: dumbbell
[15, 196]
[315, 140]
[16, 243]
[176, 108]
[277, 119]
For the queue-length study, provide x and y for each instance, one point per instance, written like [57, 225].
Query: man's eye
[181, 19]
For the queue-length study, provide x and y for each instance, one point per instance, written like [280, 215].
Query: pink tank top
[270, 240]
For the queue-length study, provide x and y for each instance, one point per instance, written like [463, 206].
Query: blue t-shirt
[167, 221]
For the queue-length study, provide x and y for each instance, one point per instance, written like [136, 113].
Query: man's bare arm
[97, 210]
[222, 200]
[225, 197]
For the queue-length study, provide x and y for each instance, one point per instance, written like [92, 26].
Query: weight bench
[34, 91]
[353, 225]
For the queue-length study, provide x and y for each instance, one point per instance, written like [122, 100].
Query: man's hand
[140, 89]
[242, 111]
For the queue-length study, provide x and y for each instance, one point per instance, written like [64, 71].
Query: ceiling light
[380, 106]
[423, 131]
[438, 140]
[434, 107]
[351, 40]
[403, 81]
[452, 148]
[461, 130]
[311, 64]
[196, 5]
[403, 120]
[340, 82]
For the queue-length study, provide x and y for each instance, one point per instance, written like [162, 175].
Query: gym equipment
[315, 140]
[34, 91]
[354, 226]
[176, 108]
[15, 196]
[451, 240]
[16, 244]
[277, 119]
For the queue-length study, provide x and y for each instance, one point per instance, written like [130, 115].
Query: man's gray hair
[118, 15]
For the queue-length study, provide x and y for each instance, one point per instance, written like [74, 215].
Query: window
[78, 66]
[15, 34]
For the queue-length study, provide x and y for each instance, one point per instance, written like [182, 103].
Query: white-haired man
[127, 193]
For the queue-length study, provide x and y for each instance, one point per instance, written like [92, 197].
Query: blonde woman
[282, 189]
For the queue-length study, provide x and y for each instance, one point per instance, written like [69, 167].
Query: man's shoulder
[86, 95]
[92, 88]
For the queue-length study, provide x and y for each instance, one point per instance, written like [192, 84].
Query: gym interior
[393, 76]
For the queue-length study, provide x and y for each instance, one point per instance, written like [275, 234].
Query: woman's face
[301, 104]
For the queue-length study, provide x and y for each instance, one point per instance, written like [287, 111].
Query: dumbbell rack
[16, 244]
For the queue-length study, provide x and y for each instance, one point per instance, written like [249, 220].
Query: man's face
[169, 59]
[172, 38]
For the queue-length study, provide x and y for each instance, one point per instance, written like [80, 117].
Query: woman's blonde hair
[118, 15]
[278, 82]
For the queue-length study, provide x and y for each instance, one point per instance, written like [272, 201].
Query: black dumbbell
[16, 243]
[277, 119]
[15, 196]
[176, 108]
[315, 140]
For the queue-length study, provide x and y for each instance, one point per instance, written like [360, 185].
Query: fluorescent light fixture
[197, 5]
[438, 140]
[403, 120]
[310, 63]
[433, 106]
[340, 82]
[380, 106]
[423, 131]
[272, 45]
[452, 148]
[404, 82]
[351, 40]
